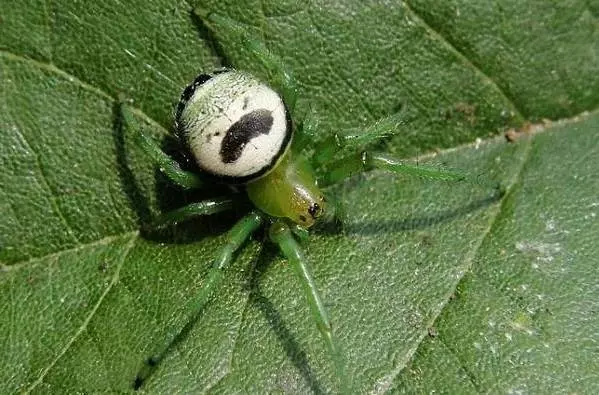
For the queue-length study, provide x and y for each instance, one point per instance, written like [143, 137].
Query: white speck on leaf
[539, 248]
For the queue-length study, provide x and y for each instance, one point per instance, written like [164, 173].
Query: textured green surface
[525, 318]
[85, 298]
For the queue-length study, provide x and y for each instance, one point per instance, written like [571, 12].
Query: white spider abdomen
[235, 126]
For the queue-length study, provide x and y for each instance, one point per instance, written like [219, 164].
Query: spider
[242, 133]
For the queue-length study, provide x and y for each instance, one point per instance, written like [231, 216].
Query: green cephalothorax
[239, 131]
[289, 191]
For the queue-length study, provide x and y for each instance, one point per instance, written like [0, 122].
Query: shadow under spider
[208, 37]
[135, 196]
[292, 348]
[337, 226]
[170, 197]
[267, 255]
[167, 195]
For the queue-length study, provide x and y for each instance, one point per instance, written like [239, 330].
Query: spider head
[313, 209]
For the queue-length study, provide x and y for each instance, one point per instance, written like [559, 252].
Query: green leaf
[506, 286]
[525, 317]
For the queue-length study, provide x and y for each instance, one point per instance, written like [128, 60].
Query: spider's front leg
[343, 156]
[236, 237]
[366, 160]
[281, 234]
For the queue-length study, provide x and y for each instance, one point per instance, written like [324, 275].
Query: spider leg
[278, 75]
[236, 237]
[367, 161]
[281, 235]
[336, 211]
[337, 155]
[299, 231]
[329, 149]
[305, 132]
[205, 207]
[168, 166]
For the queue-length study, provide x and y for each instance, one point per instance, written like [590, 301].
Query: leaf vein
[51, 68]
[84, 325]
[48, 187]
[385, 380]
[462, 365]
[476, 67]
[58, 254]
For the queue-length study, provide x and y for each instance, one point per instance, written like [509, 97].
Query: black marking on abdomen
[249, 126]
[188, 93]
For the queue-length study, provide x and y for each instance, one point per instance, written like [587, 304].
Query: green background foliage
[431, 286]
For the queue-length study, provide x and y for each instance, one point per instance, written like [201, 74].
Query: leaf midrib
[113, 281]
[455, 50]
[382, 385]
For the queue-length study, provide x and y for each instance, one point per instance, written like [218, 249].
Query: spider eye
[315, 210]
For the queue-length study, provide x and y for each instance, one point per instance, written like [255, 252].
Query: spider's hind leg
[167, 165]
[236, 237]
[240, 40]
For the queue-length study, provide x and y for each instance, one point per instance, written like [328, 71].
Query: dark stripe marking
[248, 127]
